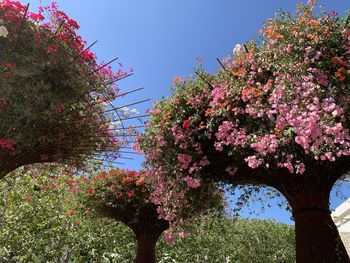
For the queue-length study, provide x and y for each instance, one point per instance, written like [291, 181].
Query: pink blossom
[184, 160]
[253, 161]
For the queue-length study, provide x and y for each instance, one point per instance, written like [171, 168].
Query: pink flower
[191, 182]
[169, 237]
[156, 111]
[253, 162]
[301, 140]
[184, 160]
[59, 107]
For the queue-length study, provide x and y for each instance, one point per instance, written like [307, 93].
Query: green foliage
[40, 222]
[235, 240]
[38, 225]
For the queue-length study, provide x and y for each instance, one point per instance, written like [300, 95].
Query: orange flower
[313, 22]
[208, 112]
[140, 181]
[201, 126]
[341, 73]
[271, 32]
[176, 79]
[339, 61]
[240, 72]
[295, 28]
[277, 131]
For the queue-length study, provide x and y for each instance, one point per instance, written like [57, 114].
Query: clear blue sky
[160, 39]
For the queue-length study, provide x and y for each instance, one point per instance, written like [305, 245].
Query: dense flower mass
[53, 92]
[274, 104]
[116, 188]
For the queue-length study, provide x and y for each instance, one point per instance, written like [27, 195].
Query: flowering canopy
[52, 90]
[124, 196]
[279, 105]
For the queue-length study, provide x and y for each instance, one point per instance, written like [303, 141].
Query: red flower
[3, 101]
[119, 196]
[112, 173]
[131, 193]
[71, 212]
[186, 124]
[59, 107]
[29, 198]
[90, 191]
[70, 182]
[126, 180]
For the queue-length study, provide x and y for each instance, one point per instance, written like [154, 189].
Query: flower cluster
[116, 188]
[274, 104]
[53, 92]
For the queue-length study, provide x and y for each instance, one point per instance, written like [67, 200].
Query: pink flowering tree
[53, 92]
[276, 114]
[123, 195]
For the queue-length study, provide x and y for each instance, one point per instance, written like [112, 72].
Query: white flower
[3, 31]
[237, 49]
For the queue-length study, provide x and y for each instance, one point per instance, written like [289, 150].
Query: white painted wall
[341, 216]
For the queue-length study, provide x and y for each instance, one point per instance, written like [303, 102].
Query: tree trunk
[146, 250]
[317, 238]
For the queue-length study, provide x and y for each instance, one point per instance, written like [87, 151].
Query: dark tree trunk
[145, 224]
[317, 238]
[146, 250]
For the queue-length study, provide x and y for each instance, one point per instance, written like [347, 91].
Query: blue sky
[160, 39]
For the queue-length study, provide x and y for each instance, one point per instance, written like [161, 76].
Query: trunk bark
[317, 238]
[146, 250]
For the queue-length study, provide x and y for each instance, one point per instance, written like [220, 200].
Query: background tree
[276, 114]
[124, 196]
[38, 225]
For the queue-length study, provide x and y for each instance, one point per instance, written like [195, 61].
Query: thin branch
[127, 105]
[135, 117]
[245, 47]
[57, 30]
[21, 25]
[132, 91]
[82, 52]
[220, 63]
[208, 83]
[106, 64]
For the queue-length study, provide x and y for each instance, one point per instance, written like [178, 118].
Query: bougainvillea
[123, 195]
[276, 113]
[53, 92]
